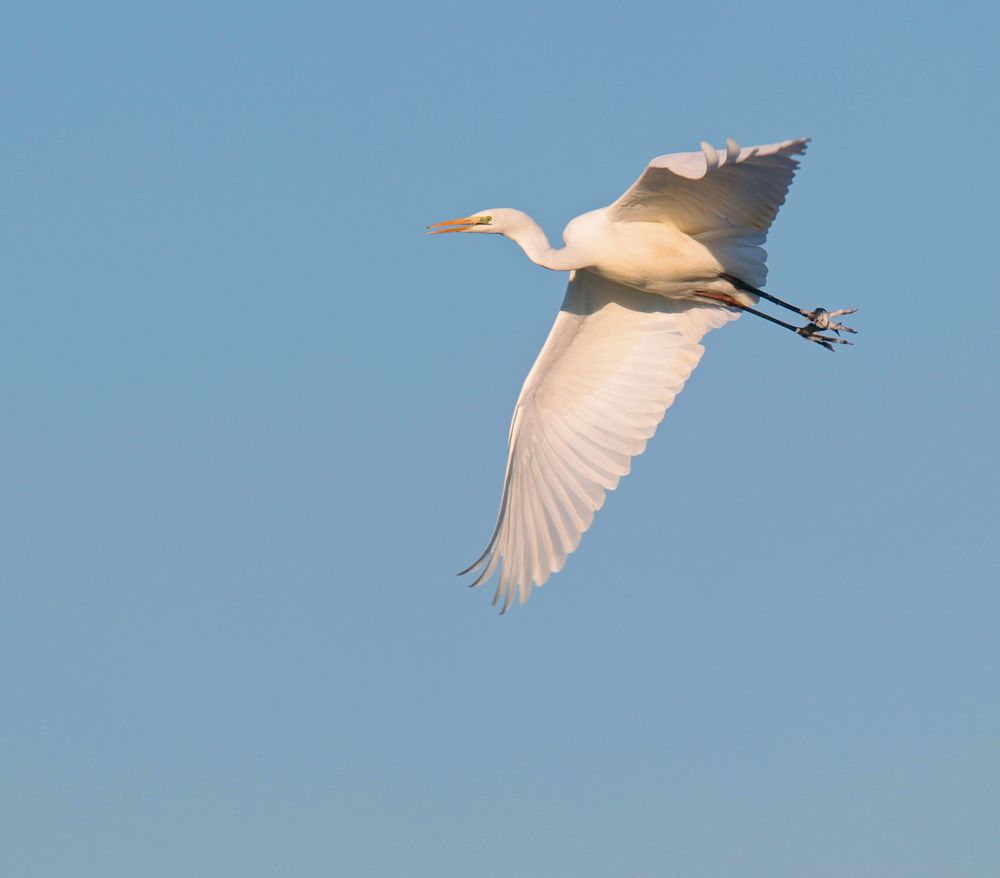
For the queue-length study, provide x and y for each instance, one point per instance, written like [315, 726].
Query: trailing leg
[810, 331]
[820, 318]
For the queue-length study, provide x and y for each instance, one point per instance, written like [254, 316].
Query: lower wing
[612, 365]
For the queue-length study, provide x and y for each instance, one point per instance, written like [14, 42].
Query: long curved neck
[528, 235]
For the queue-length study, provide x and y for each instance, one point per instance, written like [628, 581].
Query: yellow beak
[462, 224]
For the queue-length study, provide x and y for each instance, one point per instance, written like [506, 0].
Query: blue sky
[254, 421]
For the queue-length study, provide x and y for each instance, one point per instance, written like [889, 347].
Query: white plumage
[650, 275]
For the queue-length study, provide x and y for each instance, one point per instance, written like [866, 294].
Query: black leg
[743, 285]
[820, 318]
[810, 331]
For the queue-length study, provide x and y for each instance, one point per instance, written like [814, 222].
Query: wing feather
[703, 193]
[612, 365]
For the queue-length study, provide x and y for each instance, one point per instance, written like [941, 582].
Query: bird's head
[497, 221]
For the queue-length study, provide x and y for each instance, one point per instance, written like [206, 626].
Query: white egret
[677, 255]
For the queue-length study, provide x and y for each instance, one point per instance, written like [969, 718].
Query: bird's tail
[739, 252]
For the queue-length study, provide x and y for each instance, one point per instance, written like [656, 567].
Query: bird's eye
[485, 220]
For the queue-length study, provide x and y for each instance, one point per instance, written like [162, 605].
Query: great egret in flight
[677, 255]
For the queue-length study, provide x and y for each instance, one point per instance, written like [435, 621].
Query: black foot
[823, 319]
[812, 332]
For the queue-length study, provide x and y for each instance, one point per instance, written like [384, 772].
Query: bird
[677, 255]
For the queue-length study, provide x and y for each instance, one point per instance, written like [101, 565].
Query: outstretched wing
[612, 365]
[714, 190]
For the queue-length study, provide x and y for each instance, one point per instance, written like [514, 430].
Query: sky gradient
[254, 421]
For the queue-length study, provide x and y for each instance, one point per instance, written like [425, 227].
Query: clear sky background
[253, 421]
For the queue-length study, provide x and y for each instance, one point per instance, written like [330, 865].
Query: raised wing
[612, 365]
[714, 191]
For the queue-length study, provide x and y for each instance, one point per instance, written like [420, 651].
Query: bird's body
[654, 257]
[677, 255]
